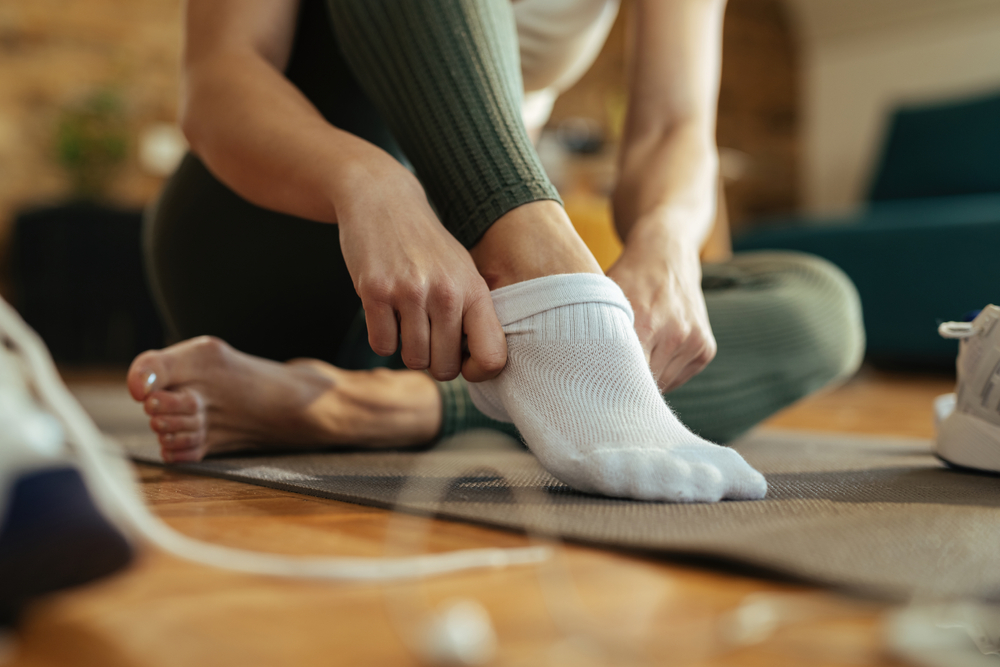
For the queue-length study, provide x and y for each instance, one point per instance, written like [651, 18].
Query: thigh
[269, 284]
[786, 324]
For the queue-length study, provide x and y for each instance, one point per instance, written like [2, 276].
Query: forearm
[252, 127]
[257, 133]
[668, 167]
[670, 182]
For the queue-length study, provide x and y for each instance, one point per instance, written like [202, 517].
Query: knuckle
[447, 296]
[382, 343]
[478, 298]
[674, 339]
[375, 291]
[412, 291]
[492, 363]
[210, 346]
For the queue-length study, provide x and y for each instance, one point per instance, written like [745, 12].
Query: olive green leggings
[437, 84]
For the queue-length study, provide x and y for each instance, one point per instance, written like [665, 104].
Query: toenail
[148, 382]
[168, 437]
[158, 424]
[154, 404]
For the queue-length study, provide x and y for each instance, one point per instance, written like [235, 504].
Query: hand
[662, 279]
[416, 281]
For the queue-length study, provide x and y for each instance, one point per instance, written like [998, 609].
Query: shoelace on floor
[111, 481]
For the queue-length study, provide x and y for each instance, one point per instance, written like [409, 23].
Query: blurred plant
[92, 143]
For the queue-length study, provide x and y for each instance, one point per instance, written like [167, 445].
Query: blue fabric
[925, 248]
[53, 537]
[909, 277]
[941, 150]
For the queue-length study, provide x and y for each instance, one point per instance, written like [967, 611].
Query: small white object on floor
[969, 432]
[956, 634]
[460, 633]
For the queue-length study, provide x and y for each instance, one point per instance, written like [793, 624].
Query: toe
[744, 483]
[180, 440]
[175, 423]
[178, 364]
[750, 486]
[146, 374]
[180, 402]
[186, 455]
[182, 446]
[708, 484]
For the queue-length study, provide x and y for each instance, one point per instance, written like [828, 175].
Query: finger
[415, 334]
[382, 328]
[446, 342]
[683, 376]
[670, 357]
[486, 340]
[683, 367]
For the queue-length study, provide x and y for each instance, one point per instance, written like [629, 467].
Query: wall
[862, 57]
[56, 52]
[758, 120]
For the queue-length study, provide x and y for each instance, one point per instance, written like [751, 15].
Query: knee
[823, 320]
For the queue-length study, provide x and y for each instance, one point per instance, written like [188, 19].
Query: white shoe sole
[969, 442]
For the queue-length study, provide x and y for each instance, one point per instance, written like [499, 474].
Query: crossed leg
[203, 396]
[577, 385]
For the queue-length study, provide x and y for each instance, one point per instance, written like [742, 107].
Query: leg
[787, 324]
[276, 286]
[215, 399]
[576, 385]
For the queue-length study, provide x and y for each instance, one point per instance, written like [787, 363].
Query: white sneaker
[52, 533]
[968, 421]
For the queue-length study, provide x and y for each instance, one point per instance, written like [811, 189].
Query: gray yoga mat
[879, 516]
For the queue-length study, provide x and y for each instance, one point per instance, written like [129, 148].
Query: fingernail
[150, 379]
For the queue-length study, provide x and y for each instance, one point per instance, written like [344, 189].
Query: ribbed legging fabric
[436, 83]
[447, 79]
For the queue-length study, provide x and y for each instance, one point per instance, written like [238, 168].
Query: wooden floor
[641, 610]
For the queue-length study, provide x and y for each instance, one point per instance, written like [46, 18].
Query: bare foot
[205, 397]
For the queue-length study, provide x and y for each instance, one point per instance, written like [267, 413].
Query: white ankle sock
[578, 388]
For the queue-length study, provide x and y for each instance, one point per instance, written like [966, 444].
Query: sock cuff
[525, 299]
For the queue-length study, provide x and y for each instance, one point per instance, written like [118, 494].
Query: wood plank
[164, 611]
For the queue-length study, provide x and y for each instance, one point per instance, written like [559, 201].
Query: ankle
[531, 241]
